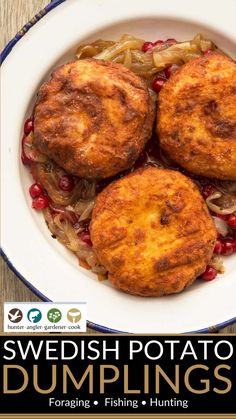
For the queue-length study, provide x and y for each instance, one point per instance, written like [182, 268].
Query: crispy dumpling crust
[93, 118]
[196, 119]
[152, 232]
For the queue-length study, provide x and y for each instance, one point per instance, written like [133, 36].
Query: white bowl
[45, 265]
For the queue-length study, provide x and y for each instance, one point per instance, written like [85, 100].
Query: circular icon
[34, 315]
[74, 315]
[15, 315]
[54, 315]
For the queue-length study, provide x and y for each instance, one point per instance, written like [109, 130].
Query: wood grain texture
[14, 14]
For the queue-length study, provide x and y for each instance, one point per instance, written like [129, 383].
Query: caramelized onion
[89, 50]
[217, 206]
[175, 54]
[221, 226]
[48, 176]
[66, 233]
[30, 151]
[87, 211]
[66, 213]
[98, 269]
[202, 44]
[128, 51]
[125, 42]
[217, 263]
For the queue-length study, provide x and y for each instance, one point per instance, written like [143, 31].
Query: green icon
[54, 315]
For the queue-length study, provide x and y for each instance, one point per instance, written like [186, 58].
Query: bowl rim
[97, 327]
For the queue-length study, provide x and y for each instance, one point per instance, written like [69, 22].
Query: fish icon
[34, 315]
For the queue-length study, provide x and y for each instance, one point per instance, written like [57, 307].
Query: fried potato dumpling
[152, 231]
[93, 118]
[197, 116]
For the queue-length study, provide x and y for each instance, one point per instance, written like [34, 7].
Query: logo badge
[54, 315]
[15, 315]
[74, 315]
[38, 317]
[34, 315]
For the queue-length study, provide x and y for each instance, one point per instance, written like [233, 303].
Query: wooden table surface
[14, 14]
